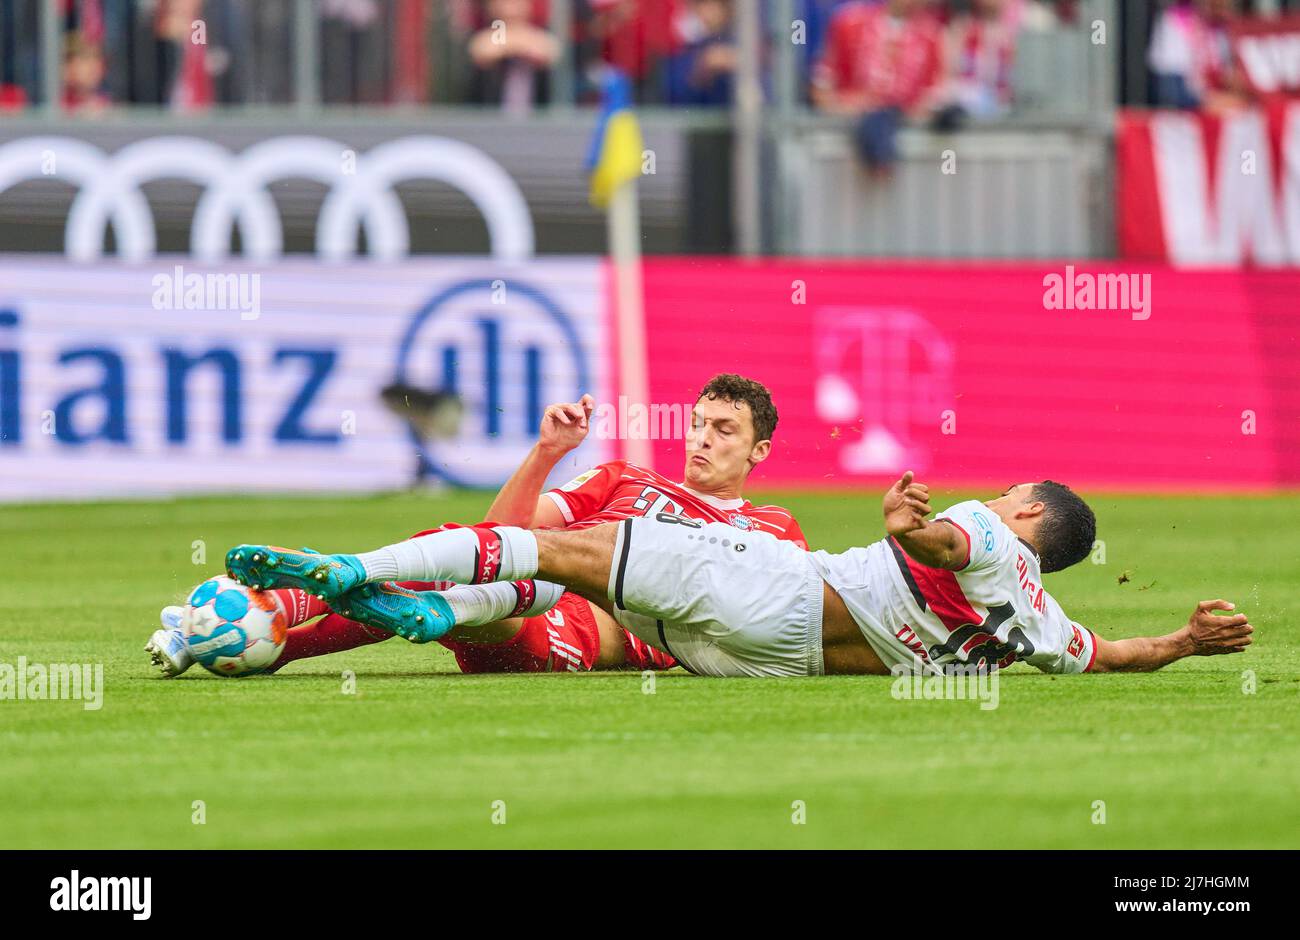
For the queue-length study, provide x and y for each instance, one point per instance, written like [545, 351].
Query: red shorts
[564, 639]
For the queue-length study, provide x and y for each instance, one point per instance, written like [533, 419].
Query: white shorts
[722, 601]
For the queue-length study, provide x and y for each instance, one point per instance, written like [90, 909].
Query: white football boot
[167, 648]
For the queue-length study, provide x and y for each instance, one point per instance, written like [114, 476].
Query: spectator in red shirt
[884, 63]
[1191, 56]
[12, 98]
[188, 79]
[981, 56]
[634, 36]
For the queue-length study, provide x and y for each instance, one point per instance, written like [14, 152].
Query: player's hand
[1213, 635]
[906, 505]
[565, 425]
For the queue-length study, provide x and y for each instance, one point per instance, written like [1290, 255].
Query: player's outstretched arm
[520, 503]
[1206, 634]
[936, 544]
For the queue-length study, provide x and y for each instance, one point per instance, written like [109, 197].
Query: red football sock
[332, 634]
[299, 606]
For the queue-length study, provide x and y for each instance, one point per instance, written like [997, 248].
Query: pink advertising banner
[1102, 376]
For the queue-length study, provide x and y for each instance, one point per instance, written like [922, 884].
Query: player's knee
[571, 556]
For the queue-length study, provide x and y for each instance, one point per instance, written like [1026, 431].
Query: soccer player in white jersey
[963, 589]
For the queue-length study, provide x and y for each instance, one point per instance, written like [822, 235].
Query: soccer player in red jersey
[509, 627]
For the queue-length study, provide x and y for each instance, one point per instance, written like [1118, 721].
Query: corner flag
[615, 154]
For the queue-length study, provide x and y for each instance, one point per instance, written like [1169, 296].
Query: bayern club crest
[741, 522]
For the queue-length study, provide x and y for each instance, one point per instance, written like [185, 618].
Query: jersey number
[989, 652]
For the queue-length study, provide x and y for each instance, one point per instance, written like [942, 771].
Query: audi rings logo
[234, 192]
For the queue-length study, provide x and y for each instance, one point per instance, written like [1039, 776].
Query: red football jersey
[869, 52]
[619, 490]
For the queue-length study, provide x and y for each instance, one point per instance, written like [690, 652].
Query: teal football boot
[418, 616]
[268, 566]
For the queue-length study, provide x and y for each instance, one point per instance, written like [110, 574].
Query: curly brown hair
[736, 388]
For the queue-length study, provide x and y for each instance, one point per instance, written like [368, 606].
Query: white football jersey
[993, 611]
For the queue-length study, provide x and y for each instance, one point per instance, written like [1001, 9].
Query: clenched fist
[565, 425]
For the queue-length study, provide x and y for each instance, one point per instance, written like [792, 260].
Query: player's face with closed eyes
[720, 446]
[1007, 495]
[1015, 500]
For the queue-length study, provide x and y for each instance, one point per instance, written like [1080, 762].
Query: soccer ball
[233, 630]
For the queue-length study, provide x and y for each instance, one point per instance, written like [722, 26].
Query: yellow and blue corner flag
[615, 154]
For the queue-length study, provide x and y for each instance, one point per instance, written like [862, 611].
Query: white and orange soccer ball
[232, 630]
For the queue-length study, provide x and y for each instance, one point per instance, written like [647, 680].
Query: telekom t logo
[889, 369]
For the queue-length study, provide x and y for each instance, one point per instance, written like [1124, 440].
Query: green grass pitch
[420, 755]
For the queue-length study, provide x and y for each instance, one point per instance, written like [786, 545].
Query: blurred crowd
[896, 62]
[884, 62]
[1190, 56]
[191, 54]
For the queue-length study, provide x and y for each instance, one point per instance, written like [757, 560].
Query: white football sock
[518, 553]
[450, 559]
[451, 555]
[476, 604]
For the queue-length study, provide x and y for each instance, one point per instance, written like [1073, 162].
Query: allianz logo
[96, 410]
